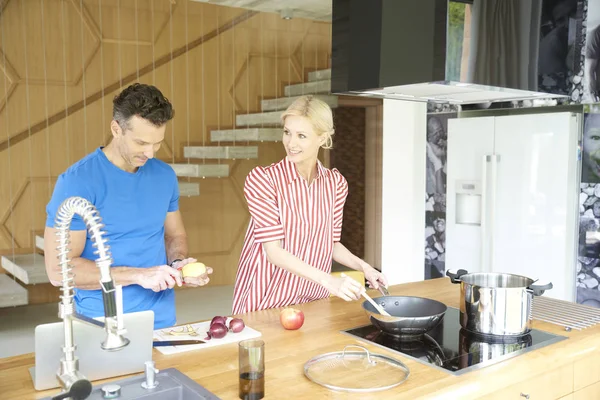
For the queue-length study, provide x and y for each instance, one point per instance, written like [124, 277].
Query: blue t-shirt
[133, 208]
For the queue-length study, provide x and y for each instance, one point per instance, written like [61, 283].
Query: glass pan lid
[356, 371]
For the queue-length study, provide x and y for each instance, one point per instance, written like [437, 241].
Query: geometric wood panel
[212, 62]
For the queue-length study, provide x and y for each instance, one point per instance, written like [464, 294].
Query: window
[457, 51]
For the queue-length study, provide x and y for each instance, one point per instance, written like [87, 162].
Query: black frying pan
[409, 315]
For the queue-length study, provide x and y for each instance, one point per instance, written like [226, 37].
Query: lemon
[193, 269]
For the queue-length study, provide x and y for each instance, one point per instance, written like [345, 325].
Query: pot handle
[539, 287]
[455, 275]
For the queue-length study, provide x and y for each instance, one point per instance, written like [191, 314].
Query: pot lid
[356, 371]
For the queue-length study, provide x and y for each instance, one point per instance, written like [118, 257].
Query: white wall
[403, 191]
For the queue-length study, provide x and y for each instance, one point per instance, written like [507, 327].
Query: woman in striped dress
[296, 208]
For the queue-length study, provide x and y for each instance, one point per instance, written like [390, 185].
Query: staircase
[29, 269]
[264, 126]
[249, 128]
[11, 293]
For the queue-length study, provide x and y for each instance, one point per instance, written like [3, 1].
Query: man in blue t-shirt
[137, 197]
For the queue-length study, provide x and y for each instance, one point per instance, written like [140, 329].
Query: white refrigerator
[512, 197]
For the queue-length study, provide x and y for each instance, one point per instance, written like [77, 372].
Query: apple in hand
[193, 269]
[291, 318]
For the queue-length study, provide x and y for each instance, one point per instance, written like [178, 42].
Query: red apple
[291, 318]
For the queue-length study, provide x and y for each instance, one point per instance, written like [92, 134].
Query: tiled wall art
[588, 266]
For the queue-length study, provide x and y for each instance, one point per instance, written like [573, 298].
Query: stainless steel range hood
[399, 49]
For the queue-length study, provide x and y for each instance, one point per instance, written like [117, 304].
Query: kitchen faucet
[74, 383]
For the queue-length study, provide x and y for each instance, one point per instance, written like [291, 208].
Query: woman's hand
[373, 276]
[345, 287]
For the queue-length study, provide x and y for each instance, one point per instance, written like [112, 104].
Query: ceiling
[319, 10]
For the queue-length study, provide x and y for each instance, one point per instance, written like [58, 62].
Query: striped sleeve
[341, 193]
[262, 204]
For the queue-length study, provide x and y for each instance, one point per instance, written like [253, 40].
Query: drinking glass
[252, 369]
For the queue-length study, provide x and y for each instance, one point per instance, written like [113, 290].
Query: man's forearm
[177, 248]
[87, 274]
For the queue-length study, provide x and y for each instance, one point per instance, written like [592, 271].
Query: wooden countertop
[286, 352]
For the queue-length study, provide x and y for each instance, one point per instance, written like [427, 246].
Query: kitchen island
[569, 369]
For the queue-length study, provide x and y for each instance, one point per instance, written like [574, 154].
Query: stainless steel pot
[496, 303]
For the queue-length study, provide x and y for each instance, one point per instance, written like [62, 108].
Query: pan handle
[455, 275]
[539, 287]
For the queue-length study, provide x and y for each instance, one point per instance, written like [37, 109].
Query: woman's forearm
[343, 256]
[287, 261]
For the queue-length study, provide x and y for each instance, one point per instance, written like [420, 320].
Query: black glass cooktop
[452, 349]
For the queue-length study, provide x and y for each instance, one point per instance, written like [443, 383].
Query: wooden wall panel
[77, 55]
[348, 155]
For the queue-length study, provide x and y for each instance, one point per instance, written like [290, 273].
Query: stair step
[39, 242]
[321, 75]
[284, 102]
[201, 170]
[189, 189]
[251, 135]
[220, 152]
[28, 268]
[11, 293]
[259, 119]
[308, 88]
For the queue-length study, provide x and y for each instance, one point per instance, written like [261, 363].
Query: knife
[157, 343]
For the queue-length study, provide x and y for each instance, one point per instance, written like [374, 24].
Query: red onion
[236, 325]
[221, 320]
[217, 331]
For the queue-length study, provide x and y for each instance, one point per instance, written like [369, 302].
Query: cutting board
[201, 328]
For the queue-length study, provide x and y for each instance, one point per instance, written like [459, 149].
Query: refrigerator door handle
[484, 208]
[495, 158]
[488, 203]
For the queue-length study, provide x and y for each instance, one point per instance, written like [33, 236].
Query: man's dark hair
[145, 101]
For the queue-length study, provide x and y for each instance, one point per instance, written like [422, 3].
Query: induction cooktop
[452, 349]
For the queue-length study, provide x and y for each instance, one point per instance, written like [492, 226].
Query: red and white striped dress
[307, 220]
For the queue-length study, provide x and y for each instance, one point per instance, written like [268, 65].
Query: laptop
[94, 363]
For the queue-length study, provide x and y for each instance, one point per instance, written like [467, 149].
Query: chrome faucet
[76, 386]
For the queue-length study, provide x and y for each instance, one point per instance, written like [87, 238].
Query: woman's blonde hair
[319, 114]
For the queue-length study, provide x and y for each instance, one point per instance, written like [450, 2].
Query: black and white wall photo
[435, 235]
[591, 81]
[590, 166]
[588, 266]
[435, 196]
[437, 146]
[561, 39]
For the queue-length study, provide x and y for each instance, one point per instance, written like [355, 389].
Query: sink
[172, 385]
